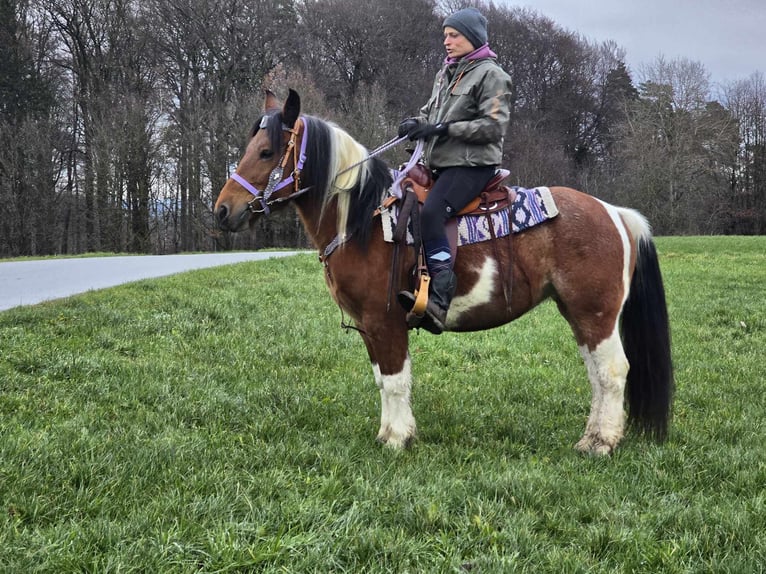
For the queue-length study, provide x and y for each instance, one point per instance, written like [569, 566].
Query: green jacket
[474, 96]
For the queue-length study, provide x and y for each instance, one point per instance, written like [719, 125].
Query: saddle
[493, 197]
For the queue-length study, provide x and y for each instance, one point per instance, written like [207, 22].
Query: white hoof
[396, 441]
[596, 445]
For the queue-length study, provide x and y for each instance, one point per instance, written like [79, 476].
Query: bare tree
[352, 45]
[551, 94]
[672, 148]
[746, 100]
[29, 131]
[210, 75]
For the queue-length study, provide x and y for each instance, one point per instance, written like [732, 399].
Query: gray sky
[728, 37]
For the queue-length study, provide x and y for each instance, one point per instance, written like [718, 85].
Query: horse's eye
[267, 154]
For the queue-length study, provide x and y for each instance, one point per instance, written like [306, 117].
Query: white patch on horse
[614, 214]
[377, 375]
[397, 423]
[480, 294]
[607, 370]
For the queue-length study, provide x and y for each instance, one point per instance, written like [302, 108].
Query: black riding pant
[453, 189]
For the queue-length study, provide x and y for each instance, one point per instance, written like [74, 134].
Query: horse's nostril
[223, 213]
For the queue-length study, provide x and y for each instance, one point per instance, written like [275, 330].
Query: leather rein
[276, 182]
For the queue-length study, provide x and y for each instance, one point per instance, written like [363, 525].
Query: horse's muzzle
[229, 220]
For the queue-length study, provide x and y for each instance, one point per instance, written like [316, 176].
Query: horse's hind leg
[607, 371]
[393, 376]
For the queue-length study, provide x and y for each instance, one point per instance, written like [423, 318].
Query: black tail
[646, 339]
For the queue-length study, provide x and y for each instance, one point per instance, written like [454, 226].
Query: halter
[275, 178]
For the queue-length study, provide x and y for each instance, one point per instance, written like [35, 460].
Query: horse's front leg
[389, 355]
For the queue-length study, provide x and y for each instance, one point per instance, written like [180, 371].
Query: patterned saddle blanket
[531, 207]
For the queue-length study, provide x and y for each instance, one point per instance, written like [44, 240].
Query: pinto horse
[596, 261]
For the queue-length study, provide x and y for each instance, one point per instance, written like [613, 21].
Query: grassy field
[221, 421]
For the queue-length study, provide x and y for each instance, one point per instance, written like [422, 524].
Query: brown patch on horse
[589, 289]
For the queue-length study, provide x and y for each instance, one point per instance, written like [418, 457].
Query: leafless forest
[121, 119]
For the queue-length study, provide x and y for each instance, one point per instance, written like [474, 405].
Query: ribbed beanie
[470, 23]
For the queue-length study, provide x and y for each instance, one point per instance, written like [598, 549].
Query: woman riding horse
[463, 123]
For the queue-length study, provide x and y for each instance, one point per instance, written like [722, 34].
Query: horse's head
[269, 172]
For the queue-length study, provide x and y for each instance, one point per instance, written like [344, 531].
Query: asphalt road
[30, 282]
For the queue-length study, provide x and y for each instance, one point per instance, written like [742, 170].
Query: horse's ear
[292, 109]
[271, 102]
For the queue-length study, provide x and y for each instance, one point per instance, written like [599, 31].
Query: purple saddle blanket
[531, 207]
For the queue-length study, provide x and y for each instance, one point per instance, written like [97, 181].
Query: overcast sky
[727, 36]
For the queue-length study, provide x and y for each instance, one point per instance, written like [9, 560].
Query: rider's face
[456, 44]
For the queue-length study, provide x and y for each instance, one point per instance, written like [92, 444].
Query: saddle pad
[531, 207]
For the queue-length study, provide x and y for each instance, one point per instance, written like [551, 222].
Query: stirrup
[416, 303]
[421, 295]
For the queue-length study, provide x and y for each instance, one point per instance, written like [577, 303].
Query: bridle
[276, 182]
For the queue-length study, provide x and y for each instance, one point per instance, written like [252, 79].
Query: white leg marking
[607, 370]
[397, 423]
[383, 399]
[479, 295]
[607, 365]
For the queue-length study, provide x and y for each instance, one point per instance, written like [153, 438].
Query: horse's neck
[320, 226]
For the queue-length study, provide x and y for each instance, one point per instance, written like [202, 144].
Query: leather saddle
[493, 197]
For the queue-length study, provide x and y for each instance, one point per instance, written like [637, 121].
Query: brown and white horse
[596, 261]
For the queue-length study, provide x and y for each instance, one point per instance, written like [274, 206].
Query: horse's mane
[329, 151]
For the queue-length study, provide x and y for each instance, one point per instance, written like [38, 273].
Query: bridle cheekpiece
[276, 182]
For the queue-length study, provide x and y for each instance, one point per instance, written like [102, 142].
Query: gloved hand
[425, 131]
[407, 126]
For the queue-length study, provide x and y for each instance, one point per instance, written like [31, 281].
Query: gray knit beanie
[471, 24]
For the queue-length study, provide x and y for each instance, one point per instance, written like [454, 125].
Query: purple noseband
[275, 178]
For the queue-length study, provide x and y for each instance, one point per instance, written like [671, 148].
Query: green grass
[221, 421]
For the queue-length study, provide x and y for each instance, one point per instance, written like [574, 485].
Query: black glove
[407, 126]
[425, 131]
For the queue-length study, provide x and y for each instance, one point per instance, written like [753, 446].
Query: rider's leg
[452, 191]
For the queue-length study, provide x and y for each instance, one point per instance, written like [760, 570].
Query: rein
[276, 182]
[392, 143]
[275, 178]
